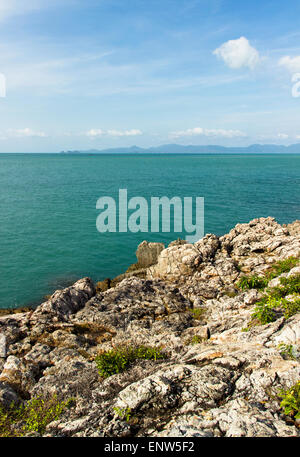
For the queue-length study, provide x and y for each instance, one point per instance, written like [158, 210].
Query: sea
[48, 213]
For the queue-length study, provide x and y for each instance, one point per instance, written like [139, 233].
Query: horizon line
[151, 149]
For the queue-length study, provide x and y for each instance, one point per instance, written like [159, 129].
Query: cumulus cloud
[133, 132]
[238, 53]
[282, 136]
[199, 131]
[292, 64]
[94, 133]
[23, 133]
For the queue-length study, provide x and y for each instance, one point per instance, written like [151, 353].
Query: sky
[95, 74]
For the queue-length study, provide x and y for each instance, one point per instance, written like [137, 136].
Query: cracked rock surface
[216, 379]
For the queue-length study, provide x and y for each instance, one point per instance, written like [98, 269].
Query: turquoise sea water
[48, 209]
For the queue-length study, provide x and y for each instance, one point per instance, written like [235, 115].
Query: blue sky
[84, 74]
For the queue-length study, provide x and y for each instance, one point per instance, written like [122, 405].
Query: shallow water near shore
[48, 209]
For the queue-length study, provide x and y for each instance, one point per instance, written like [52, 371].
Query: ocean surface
[48, 209]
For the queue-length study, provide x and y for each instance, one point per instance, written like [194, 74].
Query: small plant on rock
[123, 413]
[264, 311]
[286, 351]
[118, 359]
[282, 266]
[291, 308]
[32, 416]
[252, 282]
[261, 282]
[291, 401]
[38, 413]
[289, 285]
[197, 313]
[112, 362]
[276, 303]
[196, 339]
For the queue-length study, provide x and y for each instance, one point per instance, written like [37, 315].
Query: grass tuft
[32, 416]
[274, 304]
[261, 282]
[119, 359]
[291, 401]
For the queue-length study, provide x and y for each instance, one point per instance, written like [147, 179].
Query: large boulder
[67, 301]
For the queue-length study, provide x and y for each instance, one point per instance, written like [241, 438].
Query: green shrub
[286, 351]
[123, 413]
[197, 313]
[269, 309]
[291, 401]
[252, 282]
[112, 362]
[118, 359]
[148, 353]
[264, 311]
[291, 308]
[9, 418]
[38, 413]
[196, 339]
[288, 286]
[273, 303]
[32, 416]
[282, 266]
[260, 282]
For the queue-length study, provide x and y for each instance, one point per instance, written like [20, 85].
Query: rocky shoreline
[193, 340]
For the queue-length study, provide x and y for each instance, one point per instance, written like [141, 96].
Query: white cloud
[93, 73]
[17, 7]
[94, 133]
[282, 136]
[133, 132]
[292, 64]
[238, 53]
[23, 133]
[199, 131]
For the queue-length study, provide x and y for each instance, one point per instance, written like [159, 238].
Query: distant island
[192, 149]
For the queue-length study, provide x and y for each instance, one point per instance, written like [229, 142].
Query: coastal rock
[294, 228]
[133, 300]
[17, 375]
[67, 301]
[2, 346]
[8, 396]
[177, 242]
[290, 333]
[258, 244]
[104, 285]
[176, 385]
[175, 261]
[147, 253]
[220, 373]
[236, 419]
[203, 269]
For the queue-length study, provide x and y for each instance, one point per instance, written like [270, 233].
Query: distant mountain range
[191, 149]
